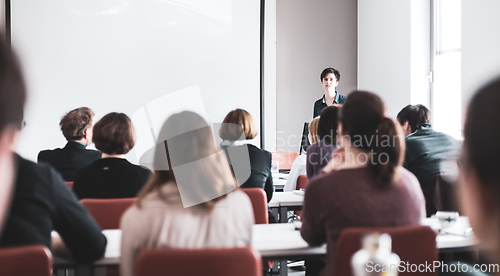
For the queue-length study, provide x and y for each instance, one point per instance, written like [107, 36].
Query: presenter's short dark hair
[415, 115]
[114, 134]
[330, 70]
[12, 88]
[76, 122]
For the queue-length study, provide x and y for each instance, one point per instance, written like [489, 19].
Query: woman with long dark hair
[367, 187]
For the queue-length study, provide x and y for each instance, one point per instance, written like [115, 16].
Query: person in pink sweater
[366, 186]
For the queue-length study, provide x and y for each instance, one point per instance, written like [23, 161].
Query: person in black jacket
[76, 127]
[425, 147]
[112, 176]
[40, 201]
[237, 128]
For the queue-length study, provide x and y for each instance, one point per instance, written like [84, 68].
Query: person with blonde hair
[192, 201]
[299, 165]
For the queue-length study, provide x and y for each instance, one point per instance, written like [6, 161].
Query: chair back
[32, 260]
[302, 182]
[441, 195]
[259, 203]
[70, 184]
[242, 261]
[107, 212]
[285, 158]
[414, 244]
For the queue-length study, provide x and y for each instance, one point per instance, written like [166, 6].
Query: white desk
[279, 181]
[282, 202]
[273, 241]
[453, 242]
[278, 242]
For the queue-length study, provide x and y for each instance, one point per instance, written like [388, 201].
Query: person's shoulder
[48, 153]
[237, 197]
[36, 174]
[342, 99]
[94, 153]
[322, 180]
[407, 179]
[312, 148]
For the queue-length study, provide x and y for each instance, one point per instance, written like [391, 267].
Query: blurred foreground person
[368, 188]
[479, 178]
[76, 127]
[112, 176]
[192, 201]
[41, 202]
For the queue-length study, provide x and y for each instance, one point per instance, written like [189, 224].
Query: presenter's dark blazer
[68, 160]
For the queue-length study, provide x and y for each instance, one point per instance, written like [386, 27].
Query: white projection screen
[145, 58]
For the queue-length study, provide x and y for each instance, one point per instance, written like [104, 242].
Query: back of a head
[415, 115]
[12, 89]
[369, 130]
[76, 122]
[328, 124]
[186, 153]
[114, 134]
[481, 132]
[236, 124]
[12, 98]
[313, 130]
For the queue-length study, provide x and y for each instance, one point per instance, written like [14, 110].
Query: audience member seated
[479, 178]
[425, 148]
[41, 202]
[112, 176]
[76, 127]
[368, 187]
[320, 153]
[192, 201]
[299, 165]
[237, 125]
[330, 78]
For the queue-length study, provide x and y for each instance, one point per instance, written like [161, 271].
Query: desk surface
[282, 241]
[286, 199]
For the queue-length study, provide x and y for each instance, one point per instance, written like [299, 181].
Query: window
[446, 67]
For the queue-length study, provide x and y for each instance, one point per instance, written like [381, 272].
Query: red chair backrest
[259, 203]
[70, 184]
[414, 244]
[241, 261]
[302, 182]
[32, 260]
[107, 212]
[286, 159]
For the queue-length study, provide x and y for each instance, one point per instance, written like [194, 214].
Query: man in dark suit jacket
[77, 128]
